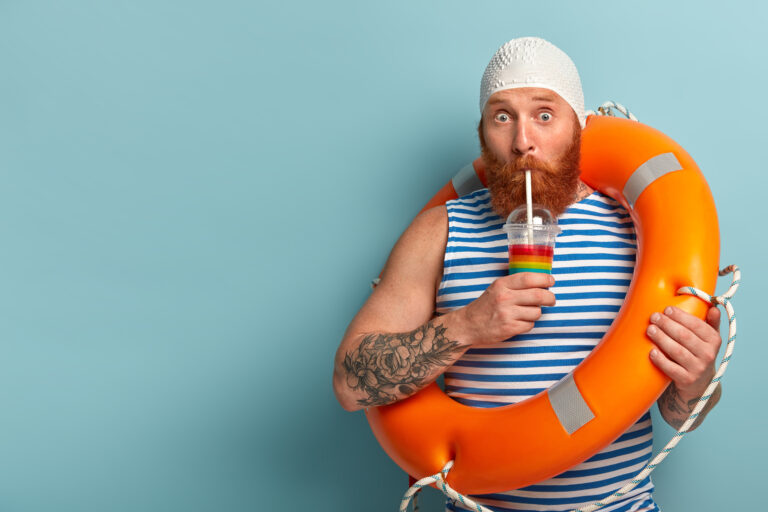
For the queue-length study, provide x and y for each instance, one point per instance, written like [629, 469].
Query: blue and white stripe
[593, 265]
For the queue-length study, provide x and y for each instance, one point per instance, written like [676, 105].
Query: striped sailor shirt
[593, 263]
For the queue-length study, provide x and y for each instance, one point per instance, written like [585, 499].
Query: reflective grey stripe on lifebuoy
[651, 170]
[569, 404]
[466, 181]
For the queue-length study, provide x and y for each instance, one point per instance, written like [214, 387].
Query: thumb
[713, 317]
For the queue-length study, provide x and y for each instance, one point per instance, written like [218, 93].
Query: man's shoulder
[431, 222]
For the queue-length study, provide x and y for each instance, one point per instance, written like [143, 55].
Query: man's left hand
[687, 348]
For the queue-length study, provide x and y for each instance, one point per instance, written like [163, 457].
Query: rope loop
[724, 299]
[439, 479]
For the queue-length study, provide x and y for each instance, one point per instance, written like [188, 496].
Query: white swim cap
[533, 62]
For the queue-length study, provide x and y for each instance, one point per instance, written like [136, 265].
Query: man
[499, 338]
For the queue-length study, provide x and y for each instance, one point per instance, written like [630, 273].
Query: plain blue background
[195, 195]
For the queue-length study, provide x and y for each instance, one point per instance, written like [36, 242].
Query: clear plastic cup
[531, 246]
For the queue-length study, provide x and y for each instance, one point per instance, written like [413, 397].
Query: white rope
[439, 479]
[606, 109]
[725, 301]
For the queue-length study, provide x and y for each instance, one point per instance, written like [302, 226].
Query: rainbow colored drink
[531, 245]
[530, 258]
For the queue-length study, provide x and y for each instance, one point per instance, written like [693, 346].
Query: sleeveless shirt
[593, 263]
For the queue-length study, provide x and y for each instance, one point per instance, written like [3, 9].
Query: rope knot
[724, 299]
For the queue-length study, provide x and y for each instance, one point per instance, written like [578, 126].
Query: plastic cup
[531, 246]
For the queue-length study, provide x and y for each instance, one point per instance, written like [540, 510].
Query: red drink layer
[531, 250]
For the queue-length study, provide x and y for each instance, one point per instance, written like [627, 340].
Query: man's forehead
[529, 93]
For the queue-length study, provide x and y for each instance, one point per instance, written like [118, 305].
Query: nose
[522, 140]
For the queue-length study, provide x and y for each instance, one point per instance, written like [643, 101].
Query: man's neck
[583, 191]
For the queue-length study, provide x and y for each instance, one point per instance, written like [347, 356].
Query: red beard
[553, 186]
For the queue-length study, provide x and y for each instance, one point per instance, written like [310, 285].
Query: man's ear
[480, 134]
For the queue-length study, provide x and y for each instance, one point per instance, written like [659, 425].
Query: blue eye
[501, 117]
[545, 116]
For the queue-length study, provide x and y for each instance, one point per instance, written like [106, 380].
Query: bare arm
[394, 346]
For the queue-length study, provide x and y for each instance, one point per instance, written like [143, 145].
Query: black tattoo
[676, 412]
[387, 367]
[582, 191]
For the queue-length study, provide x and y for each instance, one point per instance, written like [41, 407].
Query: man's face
[536, 129]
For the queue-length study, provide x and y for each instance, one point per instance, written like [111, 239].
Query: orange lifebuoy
[513, 446]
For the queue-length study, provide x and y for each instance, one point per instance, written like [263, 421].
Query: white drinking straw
[529, 203]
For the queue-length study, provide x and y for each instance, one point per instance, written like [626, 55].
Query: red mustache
[528, 162]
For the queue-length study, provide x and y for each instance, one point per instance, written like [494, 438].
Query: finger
[671, 369]
[527, 313]
[524, 280]
[681, 334]
[713, 318]
[696, 325]
[671, 348]
[534, 297]
[520, 328]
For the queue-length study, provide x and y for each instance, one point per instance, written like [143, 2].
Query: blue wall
[194, 196]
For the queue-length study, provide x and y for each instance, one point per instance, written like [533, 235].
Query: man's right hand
[508, 307]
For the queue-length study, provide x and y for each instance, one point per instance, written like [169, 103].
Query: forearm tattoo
[676, 412]
[387, 367]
